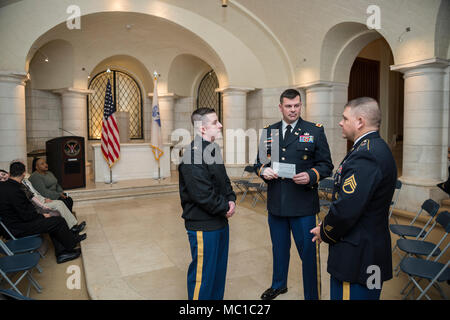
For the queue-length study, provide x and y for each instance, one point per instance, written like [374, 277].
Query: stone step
[82, 197]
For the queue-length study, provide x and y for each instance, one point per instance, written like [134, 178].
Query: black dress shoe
[68, 256]
[80, 237]
[271, 293]
[78, 228]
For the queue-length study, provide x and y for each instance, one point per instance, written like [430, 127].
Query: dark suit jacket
[357, 224]
[308, 149]
[15, 208]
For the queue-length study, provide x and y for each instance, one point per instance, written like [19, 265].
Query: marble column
[234, 128]
[425, 133]
[324, 103]
[13, 144]
[74, 114]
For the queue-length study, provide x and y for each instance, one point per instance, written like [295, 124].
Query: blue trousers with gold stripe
[341, 290]
[208, 269]
[280, 233]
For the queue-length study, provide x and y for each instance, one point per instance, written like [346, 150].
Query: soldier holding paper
[293, 156]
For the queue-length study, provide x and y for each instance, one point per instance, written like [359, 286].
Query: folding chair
[428, 269]
[11, 295]
[431, 207]
[326, 187]
[421, 247]
[259, 193]
[26, 244]
[17, 263]
[398, 187]
[243, 184]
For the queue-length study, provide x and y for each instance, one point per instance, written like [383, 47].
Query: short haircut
[4, 171]
[33, 166]
[289, 94]
[16, 169]
[367, 108]
[200, 113]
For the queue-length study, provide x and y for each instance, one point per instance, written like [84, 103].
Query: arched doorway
[370, 76]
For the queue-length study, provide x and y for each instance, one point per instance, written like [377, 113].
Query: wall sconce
[45, 56]
[224, 3]
[400, 38]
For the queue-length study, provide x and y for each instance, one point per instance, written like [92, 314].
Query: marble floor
[138, 249]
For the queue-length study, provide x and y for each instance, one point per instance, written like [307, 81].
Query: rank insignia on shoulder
[364, 144]
[319, 125]
[266, 126]
[349, 185]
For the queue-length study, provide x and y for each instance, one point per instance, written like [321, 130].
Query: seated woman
[4, 175]
[52, 207]
[46, 183]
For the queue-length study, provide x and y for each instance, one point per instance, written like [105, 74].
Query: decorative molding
[63, 91]
[165, 95]
[232, 89]
[14, 77]
[433, 62]
[321, 83]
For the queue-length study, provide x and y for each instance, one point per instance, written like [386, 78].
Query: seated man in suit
[20, 217]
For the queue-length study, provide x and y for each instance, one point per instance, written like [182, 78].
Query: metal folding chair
[428, 269]
[243, 184]
[398, 187]
[11, 295]
[26, 244]
[17, 263]
[259, 193]
[326, 187]
[429, 206]
[420, 247]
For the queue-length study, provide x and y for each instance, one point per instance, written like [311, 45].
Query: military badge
[349, 185]
[305, 138]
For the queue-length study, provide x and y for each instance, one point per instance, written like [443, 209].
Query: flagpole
[156, 140]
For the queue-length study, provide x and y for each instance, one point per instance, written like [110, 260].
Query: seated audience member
[4, 175]
[46, 184]
[21, 218]
[44, 205]
[445, 186]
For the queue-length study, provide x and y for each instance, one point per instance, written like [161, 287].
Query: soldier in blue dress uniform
[356, 226]
[293, 202]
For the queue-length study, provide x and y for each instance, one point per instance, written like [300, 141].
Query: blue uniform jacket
[308, 149]
[357, 224]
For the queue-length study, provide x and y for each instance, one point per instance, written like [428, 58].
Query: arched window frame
[219, 95]
[114, 94]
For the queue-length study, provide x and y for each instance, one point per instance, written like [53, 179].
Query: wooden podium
[66, 160]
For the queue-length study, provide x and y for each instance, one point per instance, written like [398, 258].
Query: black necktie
[287, 133]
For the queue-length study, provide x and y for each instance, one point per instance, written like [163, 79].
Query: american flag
[110, 131]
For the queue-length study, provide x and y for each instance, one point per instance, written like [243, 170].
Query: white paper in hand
[284, 170]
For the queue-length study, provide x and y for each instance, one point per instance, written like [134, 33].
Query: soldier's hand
[231, 210]
[301, 178]
[316, 233]
[269, 174]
